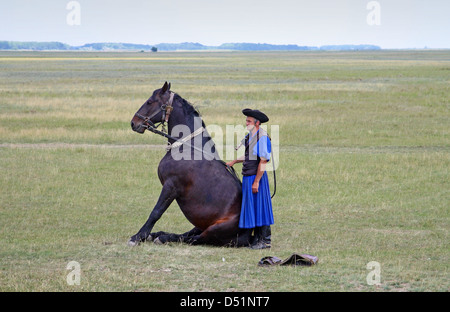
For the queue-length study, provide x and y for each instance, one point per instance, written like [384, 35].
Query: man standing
[256, 208]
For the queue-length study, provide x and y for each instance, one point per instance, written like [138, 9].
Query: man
[256, 208]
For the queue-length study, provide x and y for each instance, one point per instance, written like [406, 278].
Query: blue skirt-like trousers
[256, 209]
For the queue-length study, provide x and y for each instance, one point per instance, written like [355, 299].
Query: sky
[390, 24]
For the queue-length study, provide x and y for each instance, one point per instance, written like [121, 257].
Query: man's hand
[233, 162]
[255, 187]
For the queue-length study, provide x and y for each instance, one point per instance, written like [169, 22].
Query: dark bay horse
[206, 192]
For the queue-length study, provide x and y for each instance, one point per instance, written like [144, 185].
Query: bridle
[166, 108]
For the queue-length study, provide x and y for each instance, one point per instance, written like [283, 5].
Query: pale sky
[391, 24]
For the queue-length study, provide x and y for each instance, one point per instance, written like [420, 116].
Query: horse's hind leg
[224, 233]
[163, 237]
[155, 235]
[217, 234]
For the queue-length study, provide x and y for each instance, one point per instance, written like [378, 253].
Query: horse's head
[155, 110]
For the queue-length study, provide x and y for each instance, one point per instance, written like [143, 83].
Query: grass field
[363, 171]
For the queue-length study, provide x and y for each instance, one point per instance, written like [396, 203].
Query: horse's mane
[190, 111]
[188, 108]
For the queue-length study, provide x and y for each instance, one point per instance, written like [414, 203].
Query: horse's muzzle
[138, 127]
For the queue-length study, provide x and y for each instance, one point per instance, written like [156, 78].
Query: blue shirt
[263, 147]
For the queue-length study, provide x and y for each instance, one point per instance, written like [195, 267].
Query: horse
[206, 191]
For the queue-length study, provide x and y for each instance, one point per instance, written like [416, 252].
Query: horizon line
[219, 45]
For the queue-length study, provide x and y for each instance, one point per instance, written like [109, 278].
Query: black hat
[255, 114]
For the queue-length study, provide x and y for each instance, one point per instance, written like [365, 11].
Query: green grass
[363, 169]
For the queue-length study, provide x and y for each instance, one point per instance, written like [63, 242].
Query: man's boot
[266, 234]
[262, 238]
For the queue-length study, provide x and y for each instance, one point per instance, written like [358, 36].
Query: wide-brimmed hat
[255, 114]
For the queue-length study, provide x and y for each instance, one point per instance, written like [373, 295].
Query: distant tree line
[190, 46]
[35, 46]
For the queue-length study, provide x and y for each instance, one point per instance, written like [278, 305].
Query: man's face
[250, 122]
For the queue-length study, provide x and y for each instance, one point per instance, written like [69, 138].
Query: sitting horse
[206, 190]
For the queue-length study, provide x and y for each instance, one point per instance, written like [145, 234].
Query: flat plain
[363, 175]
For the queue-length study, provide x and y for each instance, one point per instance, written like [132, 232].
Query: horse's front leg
[168, 194]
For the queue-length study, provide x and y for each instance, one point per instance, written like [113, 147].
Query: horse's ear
[165, 88]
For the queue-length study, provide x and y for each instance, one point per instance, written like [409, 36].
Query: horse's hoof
[157, 241]
[132, 243]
